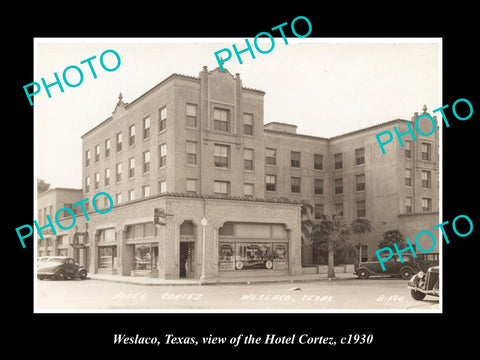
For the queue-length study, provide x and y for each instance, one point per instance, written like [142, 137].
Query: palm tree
[360, 226]
[336, 232]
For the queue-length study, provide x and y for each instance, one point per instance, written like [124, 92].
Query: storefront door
[186, 259]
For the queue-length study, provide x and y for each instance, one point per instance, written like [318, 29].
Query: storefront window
[226, 256]
[107, 257]
[146, 257]
[262, 255]
[280, 258]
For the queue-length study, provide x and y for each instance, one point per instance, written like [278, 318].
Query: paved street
[338, 294]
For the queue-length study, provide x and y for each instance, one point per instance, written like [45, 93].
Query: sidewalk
[220, 281]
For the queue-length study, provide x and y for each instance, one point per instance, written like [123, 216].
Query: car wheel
[82, 275]
[41, 277]
[363, 274]
[417, 295]
[406, 273]
[60, 275]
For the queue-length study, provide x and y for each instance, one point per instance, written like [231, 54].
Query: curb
[221, 282]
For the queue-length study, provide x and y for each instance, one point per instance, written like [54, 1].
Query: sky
[326, 87]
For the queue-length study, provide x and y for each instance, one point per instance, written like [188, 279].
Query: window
[146, 191]
[408, 177]
[162, 186]
[426, 151]
[97, 181]
[118, 198]
[361, 211]
[271, 182]
[426, 204]
[317, 162]
[118, 172]
[221, 187]
[97, 153]
[318, 211]
[318, 186]
[248, 159]
[146, 127]
[426, 179]
[131, 135]
[191, 186]
[221, 155]
[408, 149]
[131, 195]
[87, 158]
[339, 186]
[191, 115]
[248, 124]
[362, 252]
[107, 257]
[408, 205]
[87, 184]
[360, 156]
[69, 206]
[248, 190]
[339, 209]
[338, 161]
[119, 141]
[107, 176]
[146, 162]
[295, 159]
[107, 148]
[220, 120]
[163, 155]
[131, 168]
[360, 182]
[162, 120]
[295, 184]
[191, 153]
[270, 156]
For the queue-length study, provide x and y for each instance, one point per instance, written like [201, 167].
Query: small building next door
[186, 259]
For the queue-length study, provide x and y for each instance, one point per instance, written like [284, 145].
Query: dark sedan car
[393, 267]
[59, 268]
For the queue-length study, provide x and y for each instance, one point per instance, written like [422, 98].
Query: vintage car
[393, 267]
[427, 260]
[59, 268]
[423, 284]
[42, 259]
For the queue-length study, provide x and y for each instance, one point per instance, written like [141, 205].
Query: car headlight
[421, 275]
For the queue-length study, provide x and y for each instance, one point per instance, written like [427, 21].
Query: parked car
[427, 260]
[42, 259]
[393, 267]
[60, 268]
[423, 284]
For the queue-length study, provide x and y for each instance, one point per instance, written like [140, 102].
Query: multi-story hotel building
[229, 187]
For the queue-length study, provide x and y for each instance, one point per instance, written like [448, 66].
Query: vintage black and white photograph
[303, 179]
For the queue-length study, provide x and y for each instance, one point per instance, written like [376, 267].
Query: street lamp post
[204, 224]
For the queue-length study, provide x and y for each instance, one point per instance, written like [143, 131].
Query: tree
[335, 233]
[42, 186]
[391, 237]
[360, 226]
[307, 223]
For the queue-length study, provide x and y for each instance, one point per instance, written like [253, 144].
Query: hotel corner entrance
[187, 255]
[187, 249]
